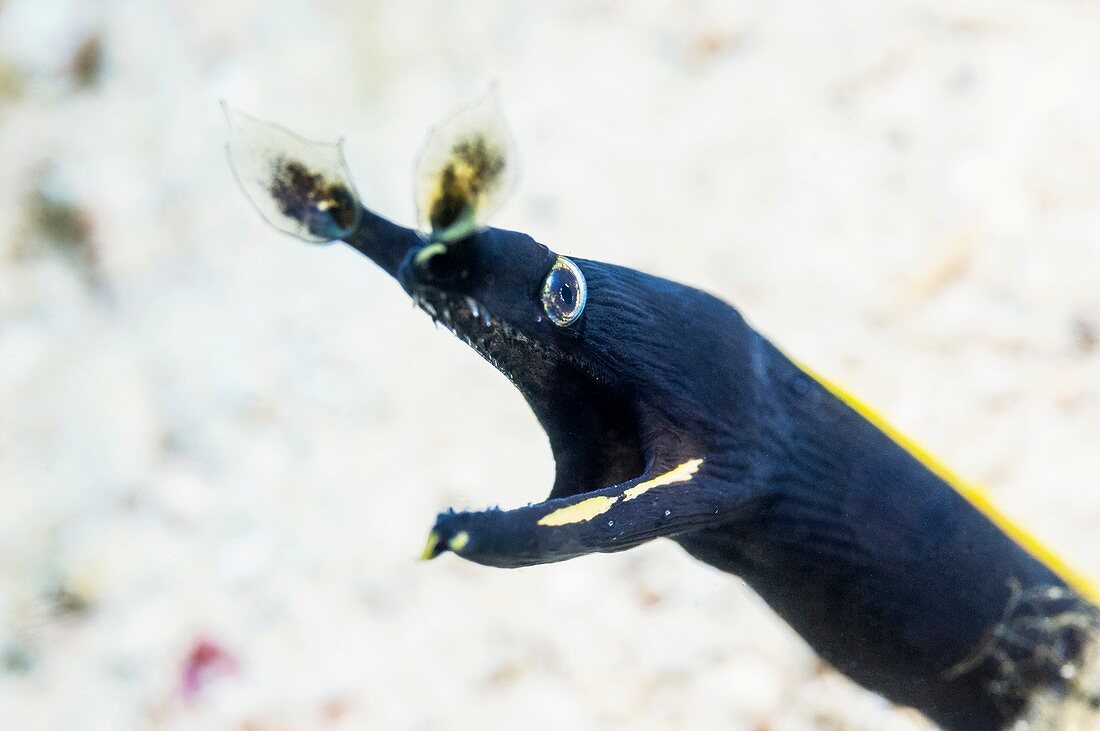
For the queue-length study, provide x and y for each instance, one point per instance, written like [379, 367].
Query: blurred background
[221, 450]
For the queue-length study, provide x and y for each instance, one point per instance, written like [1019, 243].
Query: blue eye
[564, 293]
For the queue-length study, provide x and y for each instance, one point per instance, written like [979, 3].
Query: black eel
[670, 416]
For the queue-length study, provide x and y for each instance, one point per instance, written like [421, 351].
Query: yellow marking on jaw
[596, 506]
[682, 473]
[974, 494]
[579, 512]
[429, 549]
[459, 541]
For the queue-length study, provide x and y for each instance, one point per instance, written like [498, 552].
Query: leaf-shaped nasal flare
[465, 172]
[302, 188]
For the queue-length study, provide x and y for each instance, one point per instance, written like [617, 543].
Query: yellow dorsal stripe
[972, 493]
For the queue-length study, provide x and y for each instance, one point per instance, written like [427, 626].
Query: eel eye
[564, 293]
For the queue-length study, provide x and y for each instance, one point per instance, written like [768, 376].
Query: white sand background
[208, 430]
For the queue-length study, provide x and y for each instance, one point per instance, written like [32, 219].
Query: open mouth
[304, 189]
[611, 466]
[593, 431]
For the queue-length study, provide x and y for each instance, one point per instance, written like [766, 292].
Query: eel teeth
[472, 304]
[429, 308]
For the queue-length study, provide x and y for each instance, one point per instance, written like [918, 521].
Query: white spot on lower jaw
[459, 541]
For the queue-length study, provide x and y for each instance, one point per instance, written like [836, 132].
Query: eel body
[670, 416]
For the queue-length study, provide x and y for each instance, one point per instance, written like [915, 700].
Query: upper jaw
[461, 314]
[387, 244]
[506, 347]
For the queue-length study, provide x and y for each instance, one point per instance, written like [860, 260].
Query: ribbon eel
[670, 416]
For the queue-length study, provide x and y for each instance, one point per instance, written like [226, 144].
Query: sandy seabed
[221, 450]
